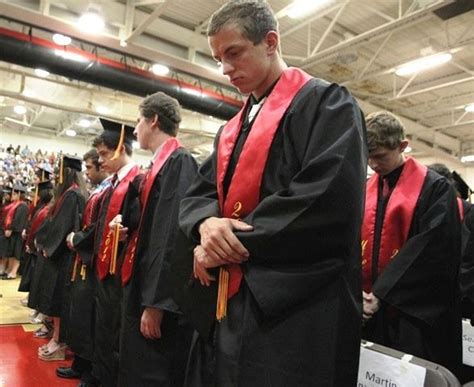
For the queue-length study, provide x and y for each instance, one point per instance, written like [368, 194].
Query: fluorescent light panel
[422, 64]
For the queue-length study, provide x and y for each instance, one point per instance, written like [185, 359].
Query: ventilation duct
[29, 51]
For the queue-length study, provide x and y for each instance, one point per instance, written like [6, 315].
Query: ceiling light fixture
[61, 40]
[159, 69]
[422, 64]
[41, 73]
[70, 133]
[84, 123]
[102, 110]
[408, 149]
[91, 23]
[135, 145]
[301, 8]
[19, 109]
[467, 159]
[469, 108]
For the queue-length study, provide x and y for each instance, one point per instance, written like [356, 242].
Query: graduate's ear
[403, 145]
[155, 121]
[272, 40]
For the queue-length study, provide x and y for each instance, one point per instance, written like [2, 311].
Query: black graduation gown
[82, 305]
[160, 362]
[421, 282]
[18, 224]
[296, 320]
[108, 298]
[56, 274]
[29, 263]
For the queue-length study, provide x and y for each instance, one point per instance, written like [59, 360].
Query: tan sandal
[58, 354]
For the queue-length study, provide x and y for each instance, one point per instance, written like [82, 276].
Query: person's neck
[157, 141]
[123, 162]
[277, 68]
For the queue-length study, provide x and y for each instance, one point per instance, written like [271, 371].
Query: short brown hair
[167, 109]
[255, 19]
[384, 129]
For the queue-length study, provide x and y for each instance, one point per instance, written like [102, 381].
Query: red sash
[115, 204]
[36, 222]
[244, 190]
[10, 214]
[461, 209]
[397, 220]
[168, 149]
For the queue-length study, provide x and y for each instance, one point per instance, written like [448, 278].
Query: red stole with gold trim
[10, 213]
[397, 220]
[167, 150]
[244, 190]
[115, 204]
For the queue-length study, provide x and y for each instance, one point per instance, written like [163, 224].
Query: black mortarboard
[7, 190]
[45, 185]
[44, 171]
[125, 133]
[72, 162]
[462, 187]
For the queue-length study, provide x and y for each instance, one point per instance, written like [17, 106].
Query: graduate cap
[45, 185]
[44, 171]
[462, 187]
[7, 190]
[124, 131]
[70, 161]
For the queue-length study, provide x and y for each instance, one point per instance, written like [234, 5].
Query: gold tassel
[35, 199]
[42, 176]
[120, 144]
[83, 272]
[61, 171]
[74, 270]
[113, 262]
[223, 289]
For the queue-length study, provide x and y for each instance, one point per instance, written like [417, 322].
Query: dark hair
[93, 156]
[45, 196]
[254, 18]
[384, 129]
[167, 109]
[111, 141]
[70, 177]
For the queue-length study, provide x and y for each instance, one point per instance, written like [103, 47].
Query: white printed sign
[377, 369]
[467, 343]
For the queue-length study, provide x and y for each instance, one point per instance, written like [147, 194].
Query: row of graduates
[101, 264]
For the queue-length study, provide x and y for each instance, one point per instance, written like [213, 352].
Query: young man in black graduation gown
[114, 147]
[63, 218]
[81, 309]
[154, 339]
[291, 165]
[15, 221]
[411, 243]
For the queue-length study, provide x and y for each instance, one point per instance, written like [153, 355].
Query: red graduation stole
[103, 264]
[244, 190]
[10, 213]
[167, 150]
[36, 222]
[461, 209]
[397, 220]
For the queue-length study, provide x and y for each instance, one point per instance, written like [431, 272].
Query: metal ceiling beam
[150, 19]
[29, 17]
[432, 88]
[375, 33]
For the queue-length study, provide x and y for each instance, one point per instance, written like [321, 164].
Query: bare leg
[13, 265]
[3, 265]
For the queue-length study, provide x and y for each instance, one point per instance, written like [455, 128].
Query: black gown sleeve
[467, 263]
[420, 280]
[154, 268]
[67, 219]
[20, 219]
[83, 242]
